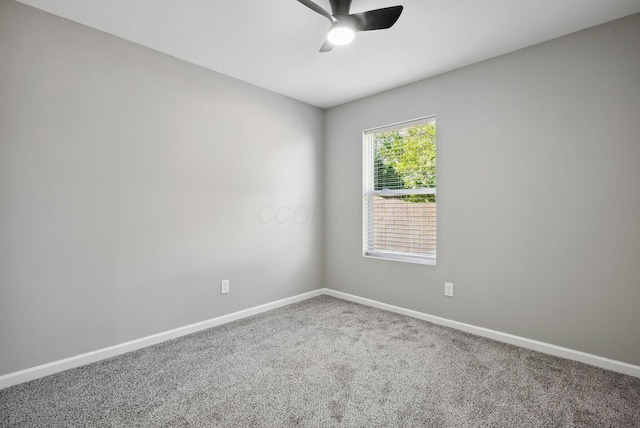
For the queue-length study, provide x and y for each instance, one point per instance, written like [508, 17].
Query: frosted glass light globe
[341, 35]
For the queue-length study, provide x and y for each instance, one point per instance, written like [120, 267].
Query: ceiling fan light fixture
[341, 35]
[345, 24]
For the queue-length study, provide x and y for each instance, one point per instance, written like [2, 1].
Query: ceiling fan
[344, 25]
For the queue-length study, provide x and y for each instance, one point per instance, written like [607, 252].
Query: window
[399, 187]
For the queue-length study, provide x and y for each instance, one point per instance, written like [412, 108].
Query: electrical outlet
[448, 289]
[224, 286]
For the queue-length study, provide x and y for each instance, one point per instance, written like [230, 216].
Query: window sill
[404, 258]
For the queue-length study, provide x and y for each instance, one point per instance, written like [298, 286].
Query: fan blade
[340, 7]
[326, 47]
[377, 19]
[314, 7]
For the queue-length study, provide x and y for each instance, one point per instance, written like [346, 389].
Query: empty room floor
[328, 362]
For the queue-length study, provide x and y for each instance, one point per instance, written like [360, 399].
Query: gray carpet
[325, 362]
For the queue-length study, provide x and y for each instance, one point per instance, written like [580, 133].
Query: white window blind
[399, 188]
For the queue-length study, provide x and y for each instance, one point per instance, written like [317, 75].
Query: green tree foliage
[406, 159]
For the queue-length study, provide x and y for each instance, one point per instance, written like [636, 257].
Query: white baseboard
[101, 354]
[547, 348]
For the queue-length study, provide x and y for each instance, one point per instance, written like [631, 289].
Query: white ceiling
[274, 44]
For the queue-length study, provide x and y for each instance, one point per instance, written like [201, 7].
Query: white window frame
[369, 192]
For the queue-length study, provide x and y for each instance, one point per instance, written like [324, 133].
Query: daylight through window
[399, 188]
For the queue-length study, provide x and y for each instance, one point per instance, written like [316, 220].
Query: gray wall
[131, 183]
[538, 193]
